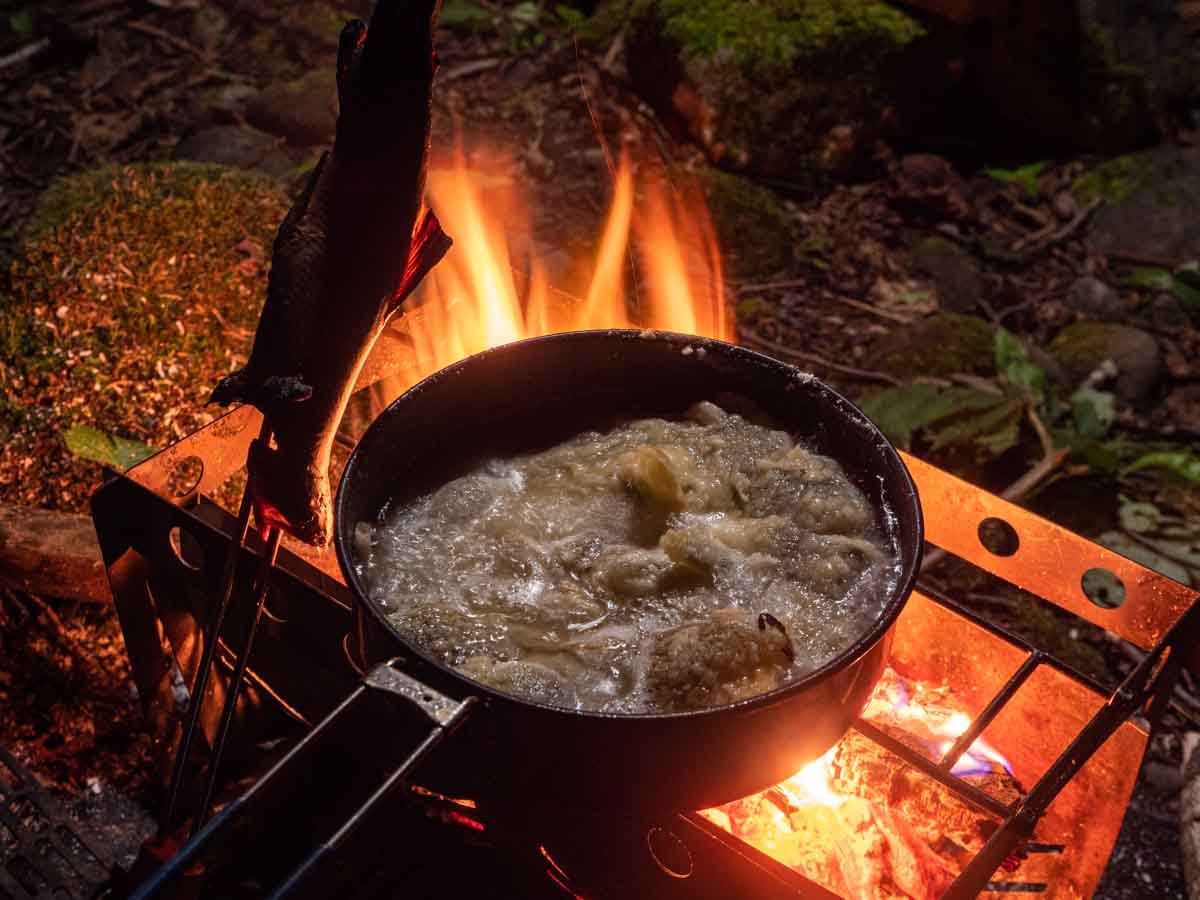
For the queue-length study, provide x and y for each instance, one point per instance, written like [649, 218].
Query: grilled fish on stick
[354, 246]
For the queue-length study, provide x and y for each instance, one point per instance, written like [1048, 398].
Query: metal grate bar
[997, 703]
[965, 791]
[40, 853]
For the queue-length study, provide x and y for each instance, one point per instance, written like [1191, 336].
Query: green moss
[1115, 94]
[769, 37]
[1113, 180]
[1081, 346]
[134, 290]
[742, 206]
[942, 344]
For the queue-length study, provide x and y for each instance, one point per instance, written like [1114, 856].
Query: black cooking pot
[534, 393]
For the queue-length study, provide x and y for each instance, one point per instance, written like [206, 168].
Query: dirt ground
[822, 281]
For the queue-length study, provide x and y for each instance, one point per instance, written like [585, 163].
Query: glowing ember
[474, 300]
[864, 824]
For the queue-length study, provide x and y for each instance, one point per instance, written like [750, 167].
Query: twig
[874, 310]
[469, 68]
[1039, 428]
[164, 35]
[773, 285]
[1139, 259]
[29, 51]
[1067, 230]
[817, 360]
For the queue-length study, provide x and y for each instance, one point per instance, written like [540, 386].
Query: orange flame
[474, 299]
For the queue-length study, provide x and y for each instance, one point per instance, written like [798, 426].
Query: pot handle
[445, 713]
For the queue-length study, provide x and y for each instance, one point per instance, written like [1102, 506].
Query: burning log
[354, 246]
[862, 821]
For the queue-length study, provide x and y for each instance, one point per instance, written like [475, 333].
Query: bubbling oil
[659, 566]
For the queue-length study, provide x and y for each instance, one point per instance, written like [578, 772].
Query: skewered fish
[354, 246]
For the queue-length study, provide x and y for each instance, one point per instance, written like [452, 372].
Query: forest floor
[845, 284]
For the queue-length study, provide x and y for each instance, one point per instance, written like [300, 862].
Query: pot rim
[910, 562]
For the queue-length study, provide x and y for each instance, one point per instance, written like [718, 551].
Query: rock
[955, 273]
[1153, 201]
[226, 102]
[793, 91]
[756, 233]
[1082, 347]
[928, 186]
[239, 148]
[941, 345]
[1165, 313]
[303, 111]
[1094, 299]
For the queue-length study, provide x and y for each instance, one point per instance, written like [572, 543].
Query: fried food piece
[726, 658]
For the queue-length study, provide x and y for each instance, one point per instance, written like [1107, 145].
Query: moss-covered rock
[787, 88]
[955, 273]
[136, 288]
[303, 111]
[1114, 179]
[940, 345]
[1081, 348]
[757, 235]
[1152, 201]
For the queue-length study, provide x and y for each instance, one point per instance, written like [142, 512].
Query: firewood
[52, 554]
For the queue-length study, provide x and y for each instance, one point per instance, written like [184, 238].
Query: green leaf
[1150, 277]
[900, 411]
[570, 16]
[1180, 462]
[110, 449]
[913, 296]
[1026, 176]
[1139, 517]
[526, 14]
[1187, 294]
[1014, 364]
[21, 24]
[995, 427]
[1093, 412]
[462, 12]
[1104, 458]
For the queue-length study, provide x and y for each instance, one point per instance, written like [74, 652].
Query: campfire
[962, 730]
[978, 764]
[656, 265]
[863, 823]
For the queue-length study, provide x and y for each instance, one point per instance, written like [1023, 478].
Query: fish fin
[429, 244]
[230, 389]
[289, 496]
[276, 389]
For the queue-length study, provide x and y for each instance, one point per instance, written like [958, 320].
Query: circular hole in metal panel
[185, 476]
[186, 548]
[998, 537]
[669, 853]
[1103, 588]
